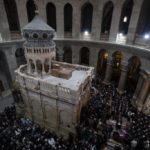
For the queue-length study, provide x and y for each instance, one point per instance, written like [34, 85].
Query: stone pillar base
[106, 83]
[121, 92]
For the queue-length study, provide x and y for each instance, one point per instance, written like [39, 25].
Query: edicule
[53, 92]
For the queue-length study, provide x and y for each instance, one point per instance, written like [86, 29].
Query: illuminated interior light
[86, 33]
[125, 19]
[146, 36]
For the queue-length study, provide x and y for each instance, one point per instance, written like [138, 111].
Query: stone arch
[84, 56]
[143, 26]
[86, 17]
[5, 74]
[2, 89]
[32, 65]
[125, 16]
[68, 10]
[116, 66]
[20, 56]
[134, 64]
[39, 66]
[51, 15]
[46, 65]
[12, 15]
[30, 5]
[102, 62]
[67, 57]
[57, 54]
[107, 17]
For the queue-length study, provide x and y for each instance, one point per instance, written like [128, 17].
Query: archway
[144, 19]
[106, 19]
[67, 57]
[5, 74]
[125, 16]
[57, 54]
[1, 87]
[46, 65]
[12, 15]
[20, 56]
[32, 65]
[133, 73]
[116, 71]
[102, 63]
[68, 19]
[84, 56]
[39, 66]
[30, 9]
[51, 15]
[86, 17]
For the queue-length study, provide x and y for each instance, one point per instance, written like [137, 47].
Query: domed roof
[38, 24]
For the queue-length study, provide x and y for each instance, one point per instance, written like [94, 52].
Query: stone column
[76, 22]
[123, 78]
[96, 20]
[35, 71]
[60, 20]
[75, 54]
[134, 21]
[4, 26]
[42, 9]
[22, 12]
[29, 66]
[138, 87]
[108, 73]
[115, 21]
[50, 61]
[43, 68]
[143, 92]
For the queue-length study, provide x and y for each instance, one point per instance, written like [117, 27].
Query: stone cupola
[39, 46]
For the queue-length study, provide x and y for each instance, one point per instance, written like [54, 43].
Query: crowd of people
[107, 117]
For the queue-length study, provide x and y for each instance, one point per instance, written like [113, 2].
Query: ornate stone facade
[53, 92]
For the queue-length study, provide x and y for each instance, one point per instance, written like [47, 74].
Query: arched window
[134, 64]
[39, 66]
[1, 87]
[125, 16]
[12, 15]
[32, 65]
[46, 65]
[68, 18]
[67, 55]
[84, 56]
[51, 15]
[107, 17]
[144, 19]
[30, 9]
[102, 62]
[86, 17]
[117, 58]
[20, 57]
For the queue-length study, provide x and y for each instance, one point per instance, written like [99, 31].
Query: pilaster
[108, 73]
[123, 78]
[76, 22]
[115, 21]
[60, 20]
[134, 21]
[4, 26]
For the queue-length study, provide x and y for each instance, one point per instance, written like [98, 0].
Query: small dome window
[26, 35]
[45, 36]
[35, 35]
[52, 36]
